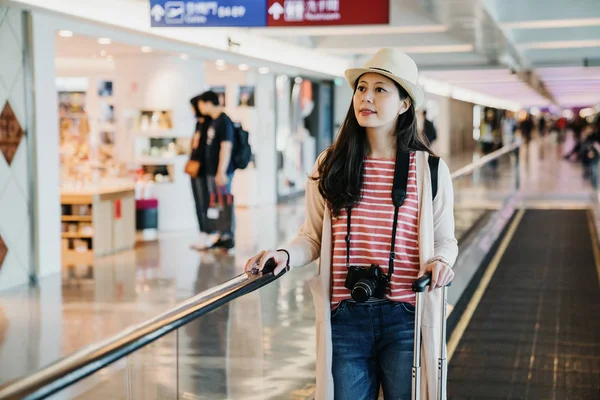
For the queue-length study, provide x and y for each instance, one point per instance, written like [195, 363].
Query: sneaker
[227, 244]
[206, 242]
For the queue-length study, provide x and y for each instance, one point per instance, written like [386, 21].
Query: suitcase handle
[420, 284]
[419, 287]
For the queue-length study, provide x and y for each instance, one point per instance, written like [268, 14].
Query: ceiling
[79, 46]
[528, 51]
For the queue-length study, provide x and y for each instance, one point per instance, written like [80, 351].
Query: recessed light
[263, 70]
[146, 49]
[243, 67]
[184, 56]
[65, 33]
[103, 53]
[104, 40]
[220, 63]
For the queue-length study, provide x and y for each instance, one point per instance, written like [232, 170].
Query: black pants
[201, 199]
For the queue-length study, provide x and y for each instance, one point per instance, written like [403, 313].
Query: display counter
[97, 220]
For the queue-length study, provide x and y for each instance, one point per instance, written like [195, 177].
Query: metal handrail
[90, 359]
[469, 169]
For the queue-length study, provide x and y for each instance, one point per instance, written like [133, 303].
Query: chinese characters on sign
[208, 13]
[301, 10]
[326, 12]
[261, 13]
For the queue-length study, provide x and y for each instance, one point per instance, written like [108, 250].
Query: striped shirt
[371, 232]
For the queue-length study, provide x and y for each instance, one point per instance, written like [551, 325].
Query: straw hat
[395, 65]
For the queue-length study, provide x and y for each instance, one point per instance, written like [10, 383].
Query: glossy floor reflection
[260, 346]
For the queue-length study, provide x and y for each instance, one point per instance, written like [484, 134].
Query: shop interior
[125, 126]
[304, 129]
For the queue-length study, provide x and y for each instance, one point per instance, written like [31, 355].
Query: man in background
[218, 160]
[426, 127]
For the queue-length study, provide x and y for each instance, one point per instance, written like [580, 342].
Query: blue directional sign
[210, 13]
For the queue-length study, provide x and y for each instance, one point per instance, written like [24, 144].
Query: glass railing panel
[149, 373]
[484, 201]
[260, 346]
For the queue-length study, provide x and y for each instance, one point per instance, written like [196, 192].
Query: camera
[365, 283]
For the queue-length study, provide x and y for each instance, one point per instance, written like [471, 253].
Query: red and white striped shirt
[371, 232]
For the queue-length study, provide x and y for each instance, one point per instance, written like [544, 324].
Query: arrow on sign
[276, 10]
[157, 12]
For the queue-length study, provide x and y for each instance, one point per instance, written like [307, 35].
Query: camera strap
[399, 190]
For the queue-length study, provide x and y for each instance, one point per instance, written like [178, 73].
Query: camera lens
[363, 290]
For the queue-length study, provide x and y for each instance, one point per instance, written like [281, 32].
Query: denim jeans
[372, 346]
[201, 199]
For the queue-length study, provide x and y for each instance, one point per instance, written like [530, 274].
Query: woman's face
[377, 102]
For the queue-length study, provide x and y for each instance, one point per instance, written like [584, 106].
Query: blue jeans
[373, 345]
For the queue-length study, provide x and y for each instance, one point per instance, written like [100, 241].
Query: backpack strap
[434, 162]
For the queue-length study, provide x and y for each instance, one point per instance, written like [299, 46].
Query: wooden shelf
[71, 257]
[72, 235]
[77, 218]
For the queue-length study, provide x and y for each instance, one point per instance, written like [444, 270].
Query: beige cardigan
[436, 238]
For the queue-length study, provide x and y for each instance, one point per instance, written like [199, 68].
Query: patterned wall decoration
[3, 251]
[15, 251]
[10, 133]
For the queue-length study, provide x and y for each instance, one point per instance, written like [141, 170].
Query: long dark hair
[340, 171]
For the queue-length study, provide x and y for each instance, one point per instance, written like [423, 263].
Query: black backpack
[242, 152]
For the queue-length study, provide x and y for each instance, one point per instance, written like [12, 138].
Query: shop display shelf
[77, 235]
[76, 218]
[72, 257]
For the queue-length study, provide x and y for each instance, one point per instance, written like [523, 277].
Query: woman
[199, 183]
[362, 346]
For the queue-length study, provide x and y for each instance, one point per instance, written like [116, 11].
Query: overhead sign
[327, 12]
[209, 13]
[262, 13]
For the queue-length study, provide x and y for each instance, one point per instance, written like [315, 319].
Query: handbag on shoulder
[192, 168]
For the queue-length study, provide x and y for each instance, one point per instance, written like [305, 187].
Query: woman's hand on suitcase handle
[441, 274]
[257, 263]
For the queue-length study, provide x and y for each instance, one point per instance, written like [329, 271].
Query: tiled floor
[260, 346]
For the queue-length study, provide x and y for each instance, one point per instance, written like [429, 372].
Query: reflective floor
[260, 346]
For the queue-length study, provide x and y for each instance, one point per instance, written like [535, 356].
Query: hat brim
[414, 91]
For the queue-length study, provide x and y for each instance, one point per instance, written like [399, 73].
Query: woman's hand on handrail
[257, 263]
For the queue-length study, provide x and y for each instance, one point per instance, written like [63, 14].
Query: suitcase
[419, 286]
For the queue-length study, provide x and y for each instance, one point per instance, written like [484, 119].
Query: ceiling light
[453, 48]
[220, 63]
[360, 30]
[146, 49]
[263, 70]
[221, 67]
[65, 33]
[243, 67]
[184, 56]
[557, 23]
[104, 40]
[560, 44]
[103, 53]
